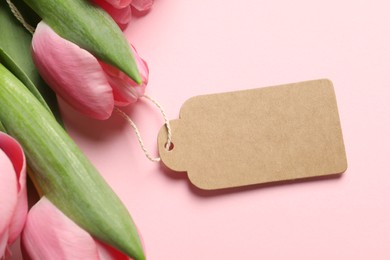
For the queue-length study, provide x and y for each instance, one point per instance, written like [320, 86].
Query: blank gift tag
[257, 136]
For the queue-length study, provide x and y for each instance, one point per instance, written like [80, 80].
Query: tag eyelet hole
[170, 148]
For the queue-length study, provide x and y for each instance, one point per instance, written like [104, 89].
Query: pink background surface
[195, 48]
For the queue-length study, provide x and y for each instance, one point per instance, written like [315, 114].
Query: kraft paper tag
[257, 136]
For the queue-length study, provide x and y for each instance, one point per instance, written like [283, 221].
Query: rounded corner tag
[263, 135]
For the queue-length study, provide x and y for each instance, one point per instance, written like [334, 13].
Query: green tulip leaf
[15, 54]
[17, 71]
[91, 28]
[2, 129]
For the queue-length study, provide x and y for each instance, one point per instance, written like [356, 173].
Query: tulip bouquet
[81, 53]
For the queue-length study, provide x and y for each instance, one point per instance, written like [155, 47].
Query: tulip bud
[50, 234]
[91, 28]
[121, 15]
[89, 86]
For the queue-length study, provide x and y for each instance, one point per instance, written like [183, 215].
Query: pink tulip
[88, 85]
[121, 15]
[120, 10]
[13, 198]
[49, 234]
[118, 3]
[142, 5]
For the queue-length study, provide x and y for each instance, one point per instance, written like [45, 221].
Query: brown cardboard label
[257, 136]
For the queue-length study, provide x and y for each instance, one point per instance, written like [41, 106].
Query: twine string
[20, 17]
[137, 132]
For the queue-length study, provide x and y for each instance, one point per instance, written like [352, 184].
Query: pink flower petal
[3, 243]
[142, 5]
[125, 90]
[49, 234]
[73, 73]
[8, 187]
[15, 154]
[13, 203]
[108, 253]
[121, 16]
[119, 3]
